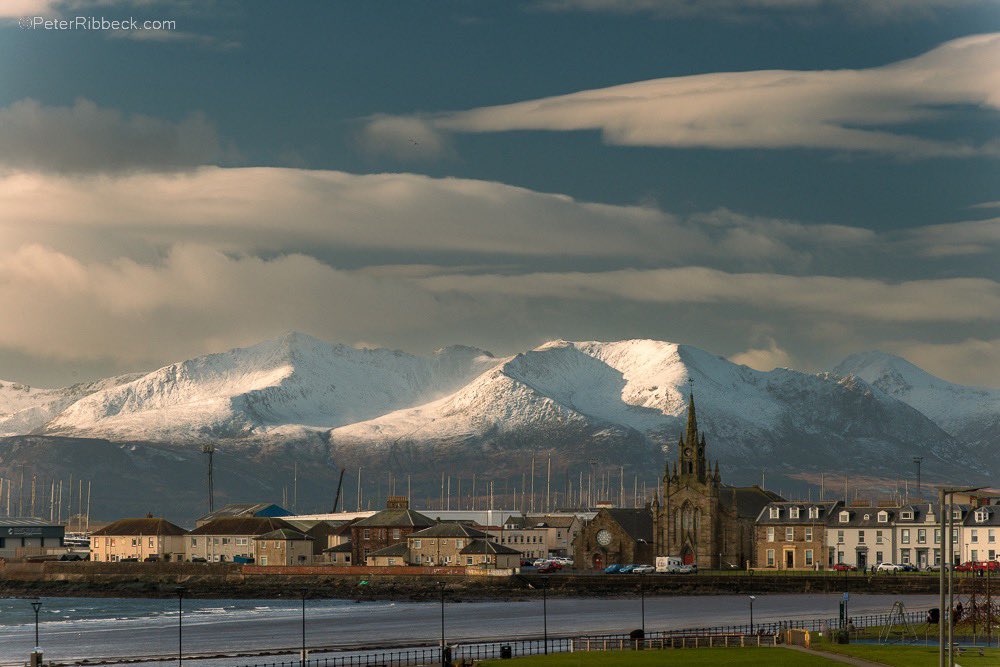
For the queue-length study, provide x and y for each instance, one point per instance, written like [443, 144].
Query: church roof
[750, 500]
[637, 523]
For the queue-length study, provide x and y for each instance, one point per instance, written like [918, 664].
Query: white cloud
[273, 209]
[764, 358]
[841, 110]
[403, 138]
[941, 300]
[88, 138]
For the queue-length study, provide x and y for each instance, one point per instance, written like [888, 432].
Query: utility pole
[531, 501]
[209, 450]
[918, 460]
[548, 487]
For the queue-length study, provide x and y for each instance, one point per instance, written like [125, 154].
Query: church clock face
[603, 537]
[687, 452]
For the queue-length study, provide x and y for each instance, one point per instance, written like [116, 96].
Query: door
[922, 559]
[862, 560]
[598, 562]
[789, 560]
[688, 556]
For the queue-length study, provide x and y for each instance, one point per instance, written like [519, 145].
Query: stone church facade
[700, 519]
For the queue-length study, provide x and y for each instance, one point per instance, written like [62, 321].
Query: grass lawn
[910, 656]
[751, 657]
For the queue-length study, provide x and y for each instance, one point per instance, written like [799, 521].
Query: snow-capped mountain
[615, 401]
[971, 414]
[283, 388]
[25, 409]
[636, 391]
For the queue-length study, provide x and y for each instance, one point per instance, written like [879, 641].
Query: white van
[672, 565]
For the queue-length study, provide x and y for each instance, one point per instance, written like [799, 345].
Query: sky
[780, 182]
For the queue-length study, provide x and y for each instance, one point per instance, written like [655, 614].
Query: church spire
[691, 435]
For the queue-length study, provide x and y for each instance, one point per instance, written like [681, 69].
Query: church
[700, 519]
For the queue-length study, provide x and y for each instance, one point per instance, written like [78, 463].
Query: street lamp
[180, 625]
[36, 604]
[752, 598]
[545, 616]
[946, 499]
[642, 603]
[444, 658]
[303, 628]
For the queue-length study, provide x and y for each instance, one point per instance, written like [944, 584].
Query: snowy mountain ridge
[624, 399]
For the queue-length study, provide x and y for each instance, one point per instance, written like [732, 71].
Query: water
[79, 628]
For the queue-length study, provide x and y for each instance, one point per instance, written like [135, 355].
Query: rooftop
[285, 534]
[249, 525]
[144, 526]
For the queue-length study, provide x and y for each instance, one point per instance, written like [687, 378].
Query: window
[975, 554]
[368, 534]
[392, 560]
[416, 544]
[937, 557]
[956, 515]
[840, 537]
[813, 512]
[459, 544]
[868, 517]
[468, 560]
[225, 540]
[906, 514]
[991, 536]
[954, 535]
[809, 557]
[151, 542]
[809, 534]
[861, 537]
[775, 512]
[263, 560]
[878, 557]
[770, 533]
[194, 541]
[789, 534]
[905, 556]
[396, 533]
[921, 536]
[974, 534]
[937, 536]
[770, 557]
[134, 540]
[793, 512]
[904, 536]
[241, 541]
[883, 517]
[878, 537]
[982, 515]
[845, 517]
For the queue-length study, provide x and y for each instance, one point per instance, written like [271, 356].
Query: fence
[766, 634]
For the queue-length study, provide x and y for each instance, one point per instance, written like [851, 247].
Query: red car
[844, 567]
[986, 566]
[965, 567]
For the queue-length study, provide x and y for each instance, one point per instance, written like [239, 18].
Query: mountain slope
[25, 409]
[639, 388]
[284, 387]
[971, 414]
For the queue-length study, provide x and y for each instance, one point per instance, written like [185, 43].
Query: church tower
[687, 521]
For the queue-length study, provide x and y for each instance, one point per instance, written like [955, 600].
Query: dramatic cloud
[274, 210]
[842, 110]
[730, 9]
[956, 299]
[87, 138]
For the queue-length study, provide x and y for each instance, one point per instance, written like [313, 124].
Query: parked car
[527, 563]
[888, 567]
[844, 567]
[626, 569]
[550, 567]
[967, 566]
[643, 569]
[612, 569]
[987, 566]
[909, 567]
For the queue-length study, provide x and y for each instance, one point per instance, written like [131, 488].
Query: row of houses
[807, 535]
[397, 535]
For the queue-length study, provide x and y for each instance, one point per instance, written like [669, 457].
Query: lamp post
[180, 625]
[752, 598]
[545, 617]
[946, 498]
[303, 662]
[36, 604]
[917, 460]
[444, 661]
[642, 603]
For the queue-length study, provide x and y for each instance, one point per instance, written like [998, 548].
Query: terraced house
[981, 528]
[862, 535]
[386, 528]
[792, 535]
[918, 535]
